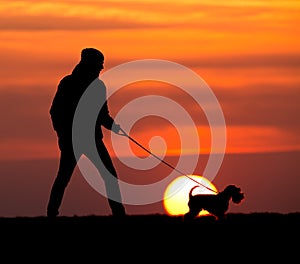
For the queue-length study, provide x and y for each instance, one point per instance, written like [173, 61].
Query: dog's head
[235, 192]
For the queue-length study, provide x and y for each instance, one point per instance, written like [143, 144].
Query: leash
[169, 165]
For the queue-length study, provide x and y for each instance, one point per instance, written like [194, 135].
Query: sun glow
[176, 195]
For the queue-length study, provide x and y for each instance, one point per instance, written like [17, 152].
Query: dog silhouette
[215, 204]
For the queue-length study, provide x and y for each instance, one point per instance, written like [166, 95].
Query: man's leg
[67, 165]
[110, 177]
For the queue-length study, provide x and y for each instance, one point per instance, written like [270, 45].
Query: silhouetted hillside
[149, 225]
[264, 235]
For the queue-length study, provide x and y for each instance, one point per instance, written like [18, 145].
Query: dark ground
[255, 236]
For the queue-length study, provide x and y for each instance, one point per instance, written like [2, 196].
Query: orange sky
[248, 52]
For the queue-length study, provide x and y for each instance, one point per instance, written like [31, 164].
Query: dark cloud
[48, 22]
[25, 115]
[262, 105]
[139, 15]
[276, 60]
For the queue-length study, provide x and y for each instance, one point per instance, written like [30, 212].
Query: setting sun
[176, 196]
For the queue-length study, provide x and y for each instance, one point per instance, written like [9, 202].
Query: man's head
[92, 57]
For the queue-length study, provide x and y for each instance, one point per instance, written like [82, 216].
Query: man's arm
[106, 120]
[104, 117]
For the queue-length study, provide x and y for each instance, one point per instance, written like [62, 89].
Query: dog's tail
[191, 191]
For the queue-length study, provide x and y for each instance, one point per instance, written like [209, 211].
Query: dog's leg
[190, 215]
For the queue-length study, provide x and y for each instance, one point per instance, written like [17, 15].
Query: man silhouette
[67, 96]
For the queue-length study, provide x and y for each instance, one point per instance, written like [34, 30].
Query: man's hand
[116, 128]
